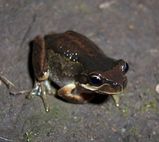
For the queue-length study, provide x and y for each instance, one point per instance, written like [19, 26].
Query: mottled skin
[76, 68]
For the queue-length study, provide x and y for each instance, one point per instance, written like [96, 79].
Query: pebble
[105, 5]
[157, 88]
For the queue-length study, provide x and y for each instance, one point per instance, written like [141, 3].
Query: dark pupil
[96, 80]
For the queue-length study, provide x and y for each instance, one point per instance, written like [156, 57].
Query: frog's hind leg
[39, 60]
[41, 71]
[41, 89]
[69, 94]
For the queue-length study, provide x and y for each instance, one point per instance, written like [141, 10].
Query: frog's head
[112, 81]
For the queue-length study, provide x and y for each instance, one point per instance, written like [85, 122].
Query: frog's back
[78, 48]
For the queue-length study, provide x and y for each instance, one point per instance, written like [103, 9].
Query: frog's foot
[116, 99]
[11, 87]
[70, 94]
[41, 89]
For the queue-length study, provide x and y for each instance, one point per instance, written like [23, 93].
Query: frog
[72, 67]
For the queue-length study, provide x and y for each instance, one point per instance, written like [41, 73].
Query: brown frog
[77, 66]
[73, 67]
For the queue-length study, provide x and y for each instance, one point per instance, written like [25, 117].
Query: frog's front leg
[70, 94]
[116, 99]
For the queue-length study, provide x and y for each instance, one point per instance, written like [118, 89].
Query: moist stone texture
[122, 29]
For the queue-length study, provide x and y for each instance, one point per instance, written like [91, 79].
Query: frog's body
[77, 66]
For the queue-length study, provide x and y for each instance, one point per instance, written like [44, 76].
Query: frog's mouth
[104, 89]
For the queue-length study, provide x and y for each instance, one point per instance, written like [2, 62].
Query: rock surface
[123, 29]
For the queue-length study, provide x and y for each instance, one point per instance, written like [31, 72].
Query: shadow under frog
[72, 67]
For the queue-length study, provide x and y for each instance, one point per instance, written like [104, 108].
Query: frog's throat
[96, 89]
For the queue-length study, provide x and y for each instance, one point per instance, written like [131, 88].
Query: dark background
[127, 29]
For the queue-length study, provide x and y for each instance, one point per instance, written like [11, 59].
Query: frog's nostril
[115, 84]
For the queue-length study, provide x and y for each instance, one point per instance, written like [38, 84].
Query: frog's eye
[96, 80]
[125, 67]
